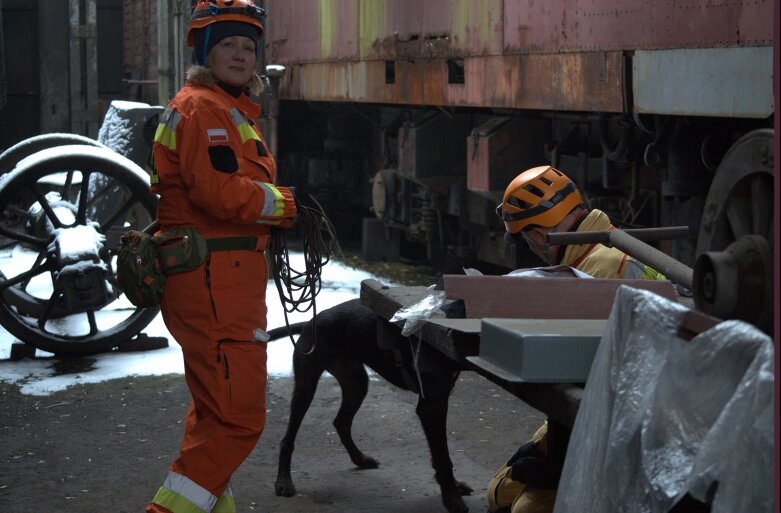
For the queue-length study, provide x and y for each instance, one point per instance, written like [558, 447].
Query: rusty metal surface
[572, 25]
[312, 31]
[587, 81]
[558, 54]
[542, 298]
[324, 30]
[498, 148]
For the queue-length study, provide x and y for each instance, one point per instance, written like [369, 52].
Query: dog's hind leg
[304, 391]
[354, 381]
[432, 412]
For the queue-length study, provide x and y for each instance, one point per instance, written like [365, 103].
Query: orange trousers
[227, 380]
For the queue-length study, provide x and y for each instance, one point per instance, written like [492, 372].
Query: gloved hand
[289, 207]
[537, 472]
[527, 449]
[293, 193]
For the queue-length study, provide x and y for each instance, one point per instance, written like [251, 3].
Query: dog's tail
[282, 331]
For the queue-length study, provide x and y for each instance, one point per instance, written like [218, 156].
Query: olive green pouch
[180, 250]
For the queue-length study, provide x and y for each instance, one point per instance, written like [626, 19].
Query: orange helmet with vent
[243, 17]
[207, 12]
[541, 196]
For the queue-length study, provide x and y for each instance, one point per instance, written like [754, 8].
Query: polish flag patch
[217, 135]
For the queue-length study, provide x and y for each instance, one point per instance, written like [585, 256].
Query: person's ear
[540, 232]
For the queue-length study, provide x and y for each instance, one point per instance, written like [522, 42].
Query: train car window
[455, 71]
[390, 72]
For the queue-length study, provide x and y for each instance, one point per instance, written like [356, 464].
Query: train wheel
[733, 275]
[13, 155]
[54, 296]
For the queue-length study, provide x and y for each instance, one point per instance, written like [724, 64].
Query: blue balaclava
[209, 36]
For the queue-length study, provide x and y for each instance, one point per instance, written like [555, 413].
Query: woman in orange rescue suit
[214, 173]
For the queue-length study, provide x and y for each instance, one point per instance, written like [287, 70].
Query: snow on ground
[42, 375]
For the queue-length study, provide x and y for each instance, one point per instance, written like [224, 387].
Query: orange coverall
[215, 173]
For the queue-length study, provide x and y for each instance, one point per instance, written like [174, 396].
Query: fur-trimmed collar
[202, 76]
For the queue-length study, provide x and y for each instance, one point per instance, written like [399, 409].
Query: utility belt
[248, 243]
[184, 249]
[144, 260]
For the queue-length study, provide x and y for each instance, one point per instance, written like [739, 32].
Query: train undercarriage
[422, 184]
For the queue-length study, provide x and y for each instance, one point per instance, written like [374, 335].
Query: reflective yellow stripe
[273, 203]
[166, 130]
[175, 502]
[225, 504]
[182, 495]
[242, 125]
[166, 137]
[247, 133]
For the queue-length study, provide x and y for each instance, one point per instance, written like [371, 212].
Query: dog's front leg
[432, 411]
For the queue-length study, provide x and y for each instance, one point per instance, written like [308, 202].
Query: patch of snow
[79, 241]
[39, 376]
[72, 150]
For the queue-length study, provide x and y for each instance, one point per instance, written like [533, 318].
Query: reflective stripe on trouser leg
[226, 378]
[180, 495]
[229, 410]
[227, 414]
[225, 504]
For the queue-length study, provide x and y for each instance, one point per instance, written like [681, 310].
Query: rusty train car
[406, 119]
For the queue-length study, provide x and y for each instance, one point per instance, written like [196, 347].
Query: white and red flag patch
[217, 135]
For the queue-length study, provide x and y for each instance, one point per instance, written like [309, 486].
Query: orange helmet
[541, 196]
[207, 12]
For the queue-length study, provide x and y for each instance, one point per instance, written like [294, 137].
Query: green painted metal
[326, 11]
[371, 24]
[471, 23]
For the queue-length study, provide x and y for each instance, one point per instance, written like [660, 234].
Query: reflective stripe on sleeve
[639, 271]
[182, 495]
[245, 130]
[273, 203]
[166, 130]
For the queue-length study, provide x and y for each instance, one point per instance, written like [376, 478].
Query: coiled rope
[298, 288]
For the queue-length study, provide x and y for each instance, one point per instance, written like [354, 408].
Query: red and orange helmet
[207, 12]
[541, 196]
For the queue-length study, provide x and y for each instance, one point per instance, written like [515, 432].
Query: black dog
[346, 339]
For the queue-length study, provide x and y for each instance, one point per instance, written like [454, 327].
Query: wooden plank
[385, 300]
[559, 401]
[543, 298]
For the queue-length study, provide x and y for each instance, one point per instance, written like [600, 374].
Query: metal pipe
[649, 255]
[644, 234]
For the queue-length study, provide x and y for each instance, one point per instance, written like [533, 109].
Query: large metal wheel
[13, 155]
[733, 275]
[62, 211]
